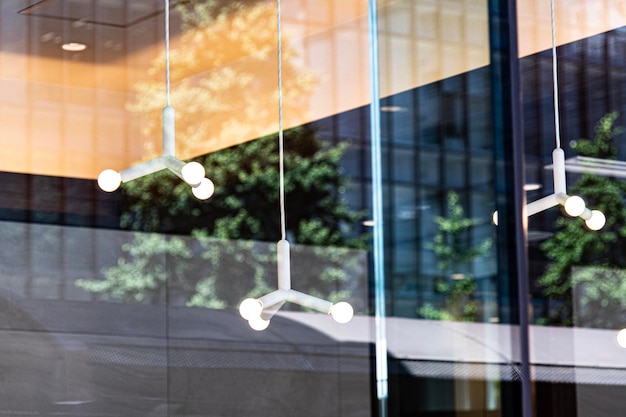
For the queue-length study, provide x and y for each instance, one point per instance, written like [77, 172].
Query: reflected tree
[455, 252]
[224, 83]
[224, 91]
[232, 230]
[586, 277]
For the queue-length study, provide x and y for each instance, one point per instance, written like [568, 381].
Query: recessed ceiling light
[531, 187]
[368, 223]
[392, 109]
[74, 47]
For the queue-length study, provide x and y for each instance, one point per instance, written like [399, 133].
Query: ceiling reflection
[74, 112]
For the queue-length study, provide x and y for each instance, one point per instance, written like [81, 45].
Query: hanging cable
[167, 52]
[281, 139]
[555, 80]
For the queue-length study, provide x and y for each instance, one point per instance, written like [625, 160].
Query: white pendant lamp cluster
[259, 311]
[573, 205]
[193, 173]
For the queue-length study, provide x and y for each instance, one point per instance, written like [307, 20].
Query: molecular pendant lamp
[259, 311]
[573, 205]
[192, 173]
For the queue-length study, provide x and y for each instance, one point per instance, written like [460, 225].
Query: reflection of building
[438, 137]
[209, 361]
[435, 138]
[66, 351]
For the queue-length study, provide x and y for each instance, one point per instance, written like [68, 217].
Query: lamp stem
[558, 171]
[284, 265]
[168, 128]
[168, 115]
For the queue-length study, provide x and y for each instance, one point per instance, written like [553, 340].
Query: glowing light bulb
[193, 173]
[596, 221]
[109, 180]
[574, 206]
[621, 338]
[250, 309]
[342, 312]
[204, 190]
[258, 324]
[494, 218]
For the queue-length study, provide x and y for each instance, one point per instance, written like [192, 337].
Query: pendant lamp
[193, 173]
[573, 205]
[259, 311]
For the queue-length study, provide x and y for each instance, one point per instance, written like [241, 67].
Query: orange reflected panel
[74, 114]
[574, 20]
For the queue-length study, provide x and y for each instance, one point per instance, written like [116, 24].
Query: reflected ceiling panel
[74, 113]
[116, 13]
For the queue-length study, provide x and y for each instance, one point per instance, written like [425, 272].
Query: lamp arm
[541, 204]
[269, 312]
[143, 169]
[308, 301]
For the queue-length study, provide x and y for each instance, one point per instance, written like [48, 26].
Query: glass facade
[126, 303]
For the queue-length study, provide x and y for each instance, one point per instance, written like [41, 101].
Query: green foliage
[585, 276]
[246, 200]
[222, 80]
[450, 244]
[230, 230]
[151, 260]
[455, 253]
[600, 296]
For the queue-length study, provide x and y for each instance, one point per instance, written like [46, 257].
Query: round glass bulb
[258, 324]
[574, 206]
[621, 338]
[494, 218]
[193, 173]
[250, 308]
[342, 312]
[596, 221]
[204, 190]
[109, 180]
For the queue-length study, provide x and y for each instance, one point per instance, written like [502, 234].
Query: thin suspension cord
[555, 81]
[167, 99]
[281, 142]
[167, 52]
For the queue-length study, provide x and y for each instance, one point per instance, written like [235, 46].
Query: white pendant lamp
[573, 205]
[259, 311]
[192, 173]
